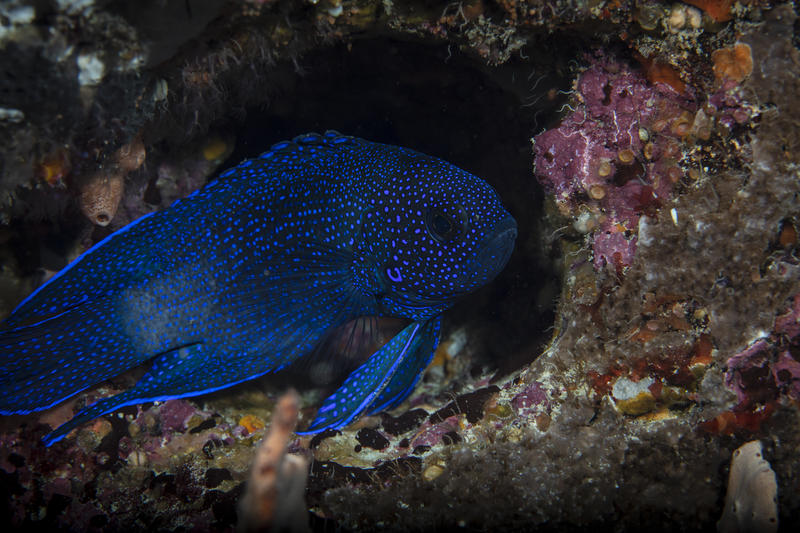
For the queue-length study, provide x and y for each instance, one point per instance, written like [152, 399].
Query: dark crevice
[434, 99]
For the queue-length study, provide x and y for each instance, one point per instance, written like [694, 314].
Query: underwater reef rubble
[660, 201]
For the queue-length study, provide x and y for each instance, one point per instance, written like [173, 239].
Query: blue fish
[253, 271]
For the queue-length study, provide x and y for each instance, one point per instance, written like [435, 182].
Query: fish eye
[440, 225]
[443, 227]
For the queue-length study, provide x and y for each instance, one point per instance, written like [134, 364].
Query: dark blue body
[253, 271]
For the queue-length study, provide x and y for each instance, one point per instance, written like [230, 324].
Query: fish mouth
[498, 246]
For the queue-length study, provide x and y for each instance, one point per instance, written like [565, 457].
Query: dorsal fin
[308, 143]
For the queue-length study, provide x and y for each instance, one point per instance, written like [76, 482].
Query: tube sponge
[751, 503]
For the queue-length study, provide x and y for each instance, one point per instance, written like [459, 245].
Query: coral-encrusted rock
[615, 155]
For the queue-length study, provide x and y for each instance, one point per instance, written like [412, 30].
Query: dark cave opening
[435, 99]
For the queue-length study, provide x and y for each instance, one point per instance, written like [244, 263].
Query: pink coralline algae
[613, 247]
[430, 434]
[786, 371]
[175, 414]
[727, 105]
[769, 367]
[533, 398]
[788, 324]
[749, 375]
[615, 156]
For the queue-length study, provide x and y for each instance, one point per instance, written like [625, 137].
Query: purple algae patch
[533, 396]
[174, 414]
[615, 157]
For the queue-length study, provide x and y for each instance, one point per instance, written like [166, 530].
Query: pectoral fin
[366, 385]
[407, 376]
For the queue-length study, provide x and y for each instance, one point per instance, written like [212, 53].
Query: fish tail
[46, 362]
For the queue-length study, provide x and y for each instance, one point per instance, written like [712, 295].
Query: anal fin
[179, 373]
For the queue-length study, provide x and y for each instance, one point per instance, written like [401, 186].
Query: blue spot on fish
[254, 271]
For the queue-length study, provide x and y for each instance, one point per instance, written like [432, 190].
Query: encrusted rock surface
[662, 227]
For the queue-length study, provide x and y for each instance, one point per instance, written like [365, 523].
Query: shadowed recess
[433, 98]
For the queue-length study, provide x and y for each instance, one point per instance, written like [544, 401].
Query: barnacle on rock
[131, 156]
[682, 124]
[626, 156]
[648, 14]
[677, 18]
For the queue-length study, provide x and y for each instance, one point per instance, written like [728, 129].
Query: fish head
[436, 233]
